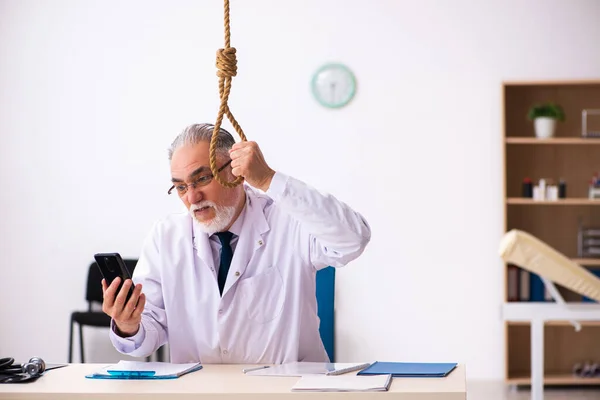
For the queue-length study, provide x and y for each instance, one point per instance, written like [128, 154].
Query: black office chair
[90, 317]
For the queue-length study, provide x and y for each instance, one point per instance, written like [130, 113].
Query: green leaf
[548, 109]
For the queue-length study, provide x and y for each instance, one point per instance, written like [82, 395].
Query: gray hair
[196, 133]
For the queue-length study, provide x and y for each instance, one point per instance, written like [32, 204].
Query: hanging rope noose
[227, 68]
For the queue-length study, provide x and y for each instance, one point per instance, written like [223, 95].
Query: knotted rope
[226, 69]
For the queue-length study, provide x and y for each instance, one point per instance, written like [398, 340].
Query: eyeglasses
[202, 180]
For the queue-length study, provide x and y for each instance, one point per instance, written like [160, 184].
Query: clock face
[333, 85]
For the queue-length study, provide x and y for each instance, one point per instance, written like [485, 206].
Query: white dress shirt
[268, 311]
[215, 243]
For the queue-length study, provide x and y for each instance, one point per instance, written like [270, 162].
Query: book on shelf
[525, 286]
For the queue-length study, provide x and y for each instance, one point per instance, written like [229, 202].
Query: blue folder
[407, 370]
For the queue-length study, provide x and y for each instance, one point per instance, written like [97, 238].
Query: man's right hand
[127, 316]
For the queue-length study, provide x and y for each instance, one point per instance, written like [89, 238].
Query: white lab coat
[268, 311]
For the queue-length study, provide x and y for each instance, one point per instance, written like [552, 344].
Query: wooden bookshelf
[575, 159]
[563, 348]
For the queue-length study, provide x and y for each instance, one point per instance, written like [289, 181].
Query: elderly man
[233, 279]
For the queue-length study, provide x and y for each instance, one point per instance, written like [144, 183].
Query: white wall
[92, 93]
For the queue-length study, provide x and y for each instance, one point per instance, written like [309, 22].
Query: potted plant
[544, 117]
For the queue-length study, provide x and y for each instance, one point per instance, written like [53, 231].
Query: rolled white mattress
[530, 253]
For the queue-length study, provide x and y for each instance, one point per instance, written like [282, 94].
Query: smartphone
[111, 266]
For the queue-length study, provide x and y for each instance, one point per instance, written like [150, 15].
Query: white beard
[222, 219]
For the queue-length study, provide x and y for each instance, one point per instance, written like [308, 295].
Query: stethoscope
[6, 365]
[12, 373]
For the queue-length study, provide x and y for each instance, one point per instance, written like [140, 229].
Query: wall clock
[333, 85]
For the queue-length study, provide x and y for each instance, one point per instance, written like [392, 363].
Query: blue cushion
[325, 305]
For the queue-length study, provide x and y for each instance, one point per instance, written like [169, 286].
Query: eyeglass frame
[195, 183]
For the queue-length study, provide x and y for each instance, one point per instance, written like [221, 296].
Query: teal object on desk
[409, 370]
[134, 374]
[144, 370]
[325, 292]
[129, 376]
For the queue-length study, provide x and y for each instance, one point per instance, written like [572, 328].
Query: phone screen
[111, 266]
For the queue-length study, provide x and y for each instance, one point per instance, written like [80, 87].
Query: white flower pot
[544, 127]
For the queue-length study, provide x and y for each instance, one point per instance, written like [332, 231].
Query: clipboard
[144, 370]
[301, 368]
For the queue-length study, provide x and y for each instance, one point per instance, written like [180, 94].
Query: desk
[222, 382]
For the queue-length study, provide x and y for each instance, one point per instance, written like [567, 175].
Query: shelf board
[555, 141]
[587, 262]
[554, 379]
[558, 82]
[555, 323]
[574, 201]
[522, 311]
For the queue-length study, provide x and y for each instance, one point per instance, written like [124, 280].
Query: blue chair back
[325, 306]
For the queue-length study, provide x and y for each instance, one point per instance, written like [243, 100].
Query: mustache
[205, 203]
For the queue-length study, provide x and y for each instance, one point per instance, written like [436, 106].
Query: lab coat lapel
[250, 240]
[203, 249]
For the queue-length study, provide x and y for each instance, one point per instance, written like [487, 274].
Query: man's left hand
[247, 161]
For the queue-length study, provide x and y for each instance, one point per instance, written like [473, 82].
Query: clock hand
[332, 92]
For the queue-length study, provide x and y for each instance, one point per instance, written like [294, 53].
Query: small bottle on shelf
[527, 188]
[552, 192]
[594, 188]
[562, 189]
[539, 191]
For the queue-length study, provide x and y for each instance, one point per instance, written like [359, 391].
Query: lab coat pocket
[263, 295]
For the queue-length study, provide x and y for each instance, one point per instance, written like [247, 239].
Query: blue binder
[409, 370]
[325, 292]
